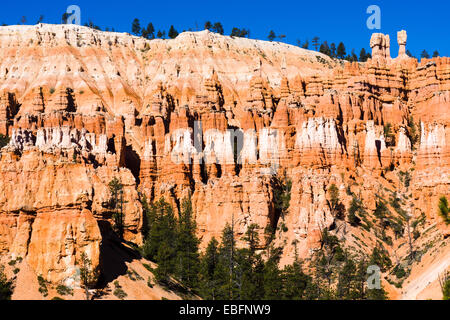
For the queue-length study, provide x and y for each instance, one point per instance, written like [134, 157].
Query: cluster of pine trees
[334, 51]
[252, 271]
[149, 31]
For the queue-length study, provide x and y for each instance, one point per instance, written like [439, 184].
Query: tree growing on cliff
[325, 48]
[173, 33]
[355, 206]
[326, 264]
[217, 27]
[333, 50]
[242, 33]
[208, 25]
[64, 18]
[337, 208]
[281, 195]
[444, 209]
[6, 286]
[116, 204]
[425, 54]
[271, 35]
[161, 34]
[363, 55]
[435, 54]
[88, 276]
[306, 45]
[136, 27]
[341, 52]
[315, 43]
[149, 32]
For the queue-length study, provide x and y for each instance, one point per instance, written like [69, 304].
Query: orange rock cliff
[83, 106]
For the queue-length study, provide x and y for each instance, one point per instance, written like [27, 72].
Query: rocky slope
[164, 116]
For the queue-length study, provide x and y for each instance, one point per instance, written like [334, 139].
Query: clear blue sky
[427, 22]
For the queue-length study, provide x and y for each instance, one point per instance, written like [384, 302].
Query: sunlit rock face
[210, 116]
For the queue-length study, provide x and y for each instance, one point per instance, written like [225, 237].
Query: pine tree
[333, 50]
[296, 284]
[208, 25]
[271, 35]
[363, 55]
[337, 208]
[325, 49]
[116, 204]
[249, 267]
[209, 280]
[425, 54]
[435, 54]
[228, 263]
[161, 229]
[166, 260]
[315, 42]
[149, 32]
[136, 27]
[341, 53]
[242, 33]
[245, 33]
[161, 34]
[326, 262]
[187, 247]
[306, 45]
[64, 18]
[380, 258]
[444, 209]
[360, 280]
[172, 32]
[273, 288]
[346, 286]
[355, 206]
[218, 28]
[281, 195]
[88, 276]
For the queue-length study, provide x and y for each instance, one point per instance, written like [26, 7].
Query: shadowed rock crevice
[133, 162]
[113, 255]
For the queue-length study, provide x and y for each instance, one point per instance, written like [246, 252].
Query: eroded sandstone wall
[165, 117]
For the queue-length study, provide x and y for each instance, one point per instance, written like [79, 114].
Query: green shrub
[64, 290]
[399, 272]
[42, 285]
[149, 282]
[4, 140]
[444, 209]
[118, 292]
[6, 286]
